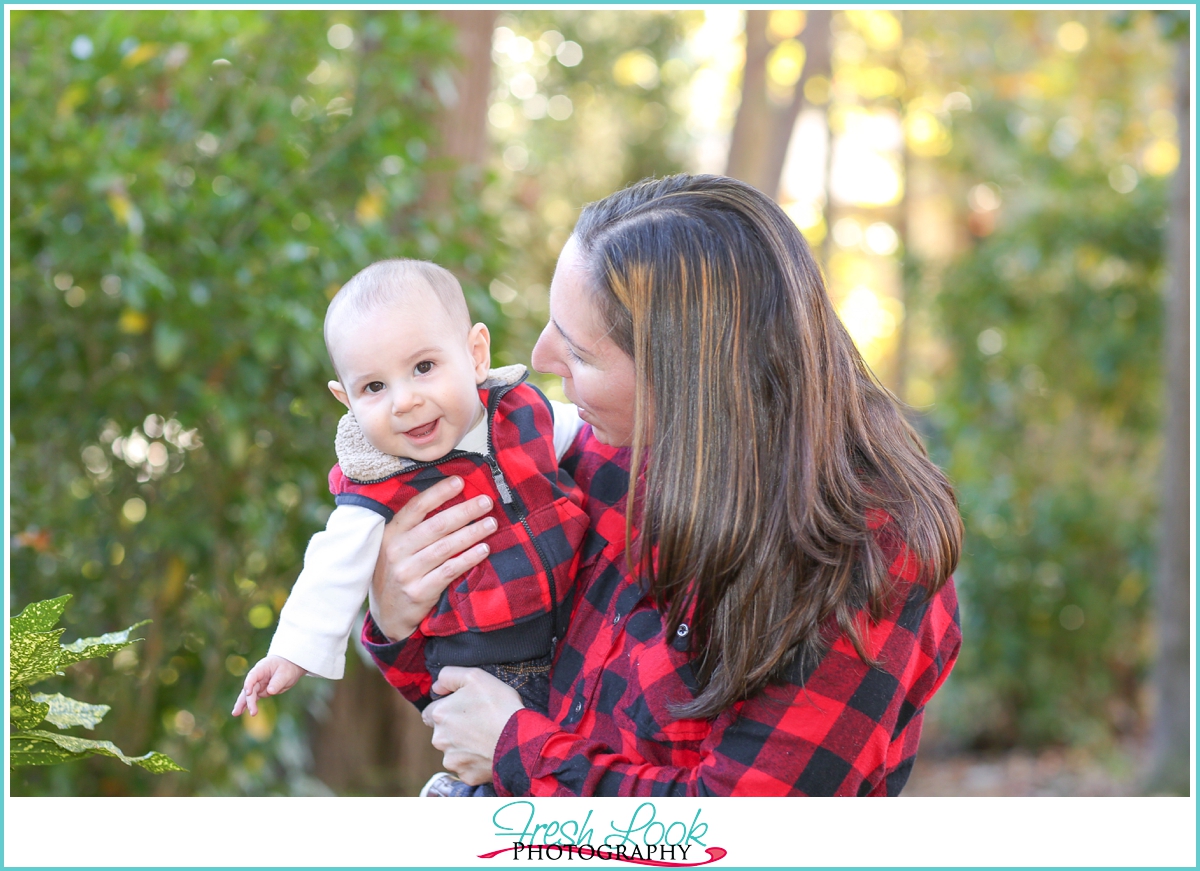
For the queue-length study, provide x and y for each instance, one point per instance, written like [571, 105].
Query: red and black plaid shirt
[841, 728]
[539, 527]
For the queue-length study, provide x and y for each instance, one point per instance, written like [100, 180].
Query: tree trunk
[818, 61]
[462, 125]
[762, 130]
[1172, 766]
[752, 126]
[372, 741]
[907, 272]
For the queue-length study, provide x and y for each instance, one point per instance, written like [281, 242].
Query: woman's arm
[849, 730]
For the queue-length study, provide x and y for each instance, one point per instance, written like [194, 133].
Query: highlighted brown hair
[765, 440]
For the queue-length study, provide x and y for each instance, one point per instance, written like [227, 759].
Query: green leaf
[45, 748]
[100, 645]
[65, 713]
[39, 616]
[26, 749]
[34, 656]
[25, 712]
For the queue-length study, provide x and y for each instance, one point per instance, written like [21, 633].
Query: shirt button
[578, 707]
[682, 631]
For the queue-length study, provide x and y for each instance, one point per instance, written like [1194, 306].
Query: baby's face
[410, 376]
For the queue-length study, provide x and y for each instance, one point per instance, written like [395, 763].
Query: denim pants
[531, 680]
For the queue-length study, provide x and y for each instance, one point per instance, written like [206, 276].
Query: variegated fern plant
[36, 653]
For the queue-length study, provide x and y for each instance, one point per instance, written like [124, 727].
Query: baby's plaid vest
[514, 605]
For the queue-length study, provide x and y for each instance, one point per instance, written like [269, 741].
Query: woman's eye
[374, 387]
[424, 367]
[571, 353]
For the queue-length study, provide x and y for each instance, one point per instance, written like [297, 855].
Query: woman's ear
[479, 343]
[335, 387]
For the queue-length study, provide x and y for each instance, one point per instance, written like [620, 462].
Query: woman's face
[597, 375]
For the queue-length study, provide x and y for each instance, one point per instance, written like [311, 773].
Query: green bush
[188, 189]
[1049, 398]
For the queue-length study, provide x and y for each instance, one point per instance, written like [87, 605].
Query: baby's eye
[424, 367]
[374, 387]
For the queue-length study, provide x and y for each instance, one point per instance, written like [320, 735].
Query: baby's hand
[271, 676]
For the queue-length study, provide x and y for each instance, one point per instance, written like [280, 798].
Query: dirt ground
[1061, 772]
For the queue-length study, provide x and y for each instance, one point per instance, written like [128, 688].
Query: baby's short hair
[388, 283]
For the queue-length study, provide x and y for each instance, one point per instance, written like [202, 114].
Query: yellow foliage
[881, 29]
[785, 63]
[875, 82]
[369, 208]
[119, 202]
[71, 98]
[260, 727]
[635, 67]
[133, 322]
[261, 616]
[173, 588]
[141, 54]
[1160, 157]
[785, 24]
[926, 136]
[816, 90]
[1072, 36]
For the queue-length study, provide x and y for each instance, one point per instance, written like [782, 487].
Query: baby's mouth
[421, 432]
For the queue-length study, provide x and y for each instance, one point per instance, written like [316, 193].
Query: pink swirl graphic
[714, 854]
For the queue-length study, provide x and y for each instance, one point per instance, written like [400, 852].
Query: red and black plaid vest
[514, 605]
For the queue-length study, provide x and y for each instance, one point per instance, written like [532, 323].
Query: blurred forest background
[997, 198]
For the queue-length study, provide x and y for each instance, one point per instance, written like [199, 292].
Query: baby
[424, 405]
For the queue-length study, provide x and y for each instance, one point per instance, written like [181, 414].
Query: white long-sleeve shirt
[315, 623]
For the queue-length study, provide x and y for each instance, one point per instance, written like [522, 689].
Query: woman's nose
[544, 358]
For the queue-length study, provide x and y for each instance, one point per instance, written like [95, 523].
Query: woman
[769, 609]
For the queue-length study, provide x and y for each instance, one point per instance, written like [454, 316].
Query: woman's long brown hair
[767, 442]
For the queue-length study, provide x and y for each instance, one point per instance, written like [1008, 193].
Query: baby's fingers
[246, 700]
[283, 679]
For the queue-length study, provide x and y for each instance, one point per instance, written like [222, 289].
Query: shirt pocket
[661, 679]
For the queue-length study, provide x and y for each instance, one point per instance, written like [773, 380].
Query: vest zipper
[507, 495]
[510, 498]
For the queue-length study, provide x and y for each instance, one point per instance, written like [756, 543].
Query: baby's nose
[404, 400]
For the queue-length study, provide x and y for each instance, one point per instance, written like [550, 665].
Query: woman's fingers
[451, 679]
[468, 721]
[417, 509]
[455, 542]
[436, 551]
[435, 579]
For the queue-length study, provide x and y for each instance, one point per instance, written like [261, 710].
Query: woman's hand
[421, 555]
[467, 723]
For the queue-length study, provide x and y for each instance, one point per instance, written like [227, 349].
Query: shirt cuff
[402, 663]
[311, 653]
[373, 637]
[519, 747]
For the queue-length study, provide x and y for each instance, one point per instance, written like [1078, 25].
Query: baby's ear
[479, 342]
[335, 387]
